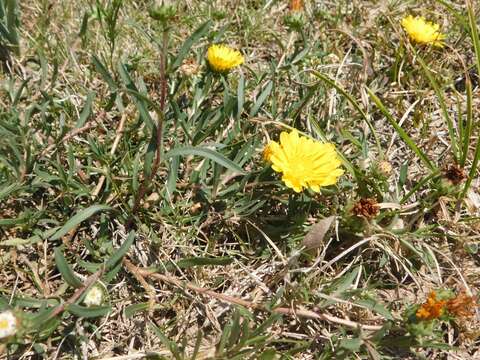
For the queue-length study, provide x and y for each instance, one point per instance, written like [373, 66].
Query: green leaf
[31, 240]
[375, 306]
[67, 273]
[261, 98]
[354, 103]
[89, 312]
[87, 110]
[78, 218]
[122, 250]
[150, 154]
[441, 100]
[139, 100]
[269, 354]
[240, 95]
[171, 345]
[202, 30]
[410, 143]
[102, 70]
[131, 310]
[352, 345]
[208, 153]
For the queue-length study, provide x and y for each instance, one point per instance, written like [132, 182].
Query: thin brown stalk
[159, 134]
[67, 137]
[301, 313]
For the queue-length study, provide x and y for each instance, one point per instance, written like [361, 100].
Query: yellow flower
[8, 324]
[423, 31]
[222, 58]
[304, 163]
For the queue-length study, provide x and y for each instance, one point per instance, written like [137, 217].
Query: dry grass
[225, 249]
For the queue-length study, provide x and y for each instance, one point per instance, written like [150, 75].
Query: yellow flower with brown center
[222, 58]
[422, 31]
[432, 308]
[303, 162]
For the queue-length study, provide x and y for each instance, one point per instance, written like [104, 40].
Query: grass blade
[89, 312]
[202, 30]
[207, 153]
[354, 103]
[65, 270]
[122, 250]
[443, 106]
[78, 218]
[410, 143]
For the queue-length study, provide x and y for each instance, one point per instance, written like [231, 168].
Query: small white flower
[94, 296]
[8, 324]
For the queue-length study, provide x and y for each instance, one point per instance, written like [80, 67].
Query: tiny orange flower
[432, 308]
[296, 5]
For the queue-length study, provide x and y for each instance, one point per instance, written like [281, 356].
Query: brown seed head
[366, 207]
[462, 305]
[455, 174]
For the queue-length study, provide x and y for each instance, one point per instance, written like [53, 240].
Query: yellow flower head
[304, 163]
[432, 308]
[222, 58]
[423, 31]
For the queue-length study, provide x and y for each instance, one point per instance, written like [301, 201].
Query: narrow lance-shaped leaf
[139, 101]
[122, 250]
[208, 153]
[67, 273]
[261, 98]
[353, 102]
[410, 143]
[78, 218]
[202, 30]
[88, 312]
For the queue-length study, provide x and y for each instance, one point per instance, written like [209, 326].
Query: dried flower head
[366, 207]
[8, 324]
[462, 305]
[222, 58]
[304, 163]
[94, 296]
[385, 168]
[455, 174]
[422, 31]
[432, 308]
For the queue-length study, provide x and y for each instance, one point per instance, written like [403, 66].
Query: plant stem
[159, 131]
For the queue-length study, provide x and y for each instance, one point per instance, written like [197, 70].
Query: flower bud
[95, 296]
[163, 13]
